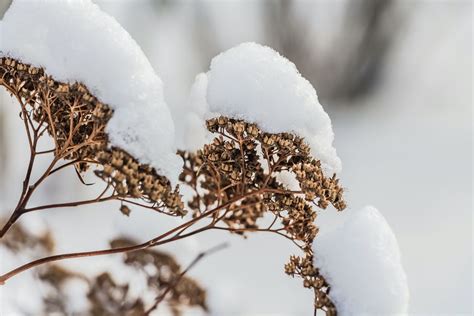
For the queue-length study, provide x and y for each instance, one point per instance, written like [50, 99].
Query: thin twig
[70, 204]
[175, 282]
[159, 240]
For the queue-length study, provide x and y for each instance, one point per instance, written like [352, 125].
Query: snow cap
[73, 40]
[361, 262]
[257, 84]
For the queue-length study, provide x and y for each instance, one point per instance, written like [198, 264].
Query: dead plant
[235, 178]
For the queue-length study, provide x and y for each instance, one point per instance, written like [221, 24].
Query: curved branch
[148, 244]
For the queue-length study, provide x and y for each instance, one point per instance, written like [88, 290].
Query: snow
[288, 179]
[361, 262]
[195, 135]
[406, 110]
[255, 83]
[75, 292]
[75, 41]
[12, 298]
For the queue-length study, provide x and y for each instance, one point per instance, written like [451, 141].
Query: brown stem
[151, 243]
[25, 120]
[13, 218]
[155, 207]
[242, 157]
[70, 204]
[70, 163]
[243, 230]
[50, 151]
[26, 195]
[26, 189]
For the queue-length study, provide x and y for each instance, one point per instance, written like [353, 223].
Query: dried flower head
[236, 183]
[76, 120]
[19, 239]
[238, 171]
[303, 267]
[105, 295]
[163, 272]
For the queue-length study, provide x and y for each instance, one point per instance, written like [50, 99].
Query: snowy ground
[406, 149]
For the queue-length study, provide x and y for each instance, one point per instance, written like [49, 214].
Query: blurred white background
[396, 80]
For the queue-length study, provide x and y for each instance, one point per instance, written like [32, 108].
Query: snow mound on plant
[255, 83]
[75, 41]
[361, 262]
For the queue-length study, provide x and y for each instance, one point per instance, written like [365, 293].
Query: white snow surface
[361, 262]
[75, 41]
[255, 83]
[195, 132]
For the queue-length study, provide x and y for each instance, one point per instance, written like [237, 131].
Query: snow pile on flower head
[361, 262]
[75, 41]
[255, 83]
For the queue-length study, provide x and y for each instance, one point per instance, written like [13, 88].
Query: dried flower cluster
[129, 178]
[236, 183]
[70, 114]
[105, 295]
[166, 271]
[240, 169]
[19, 239]
[109, 298]
[76, 120]
[312, 279]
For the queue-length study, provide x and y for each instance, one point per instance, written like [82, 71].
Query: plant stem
[150, 243]
[173, 284]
